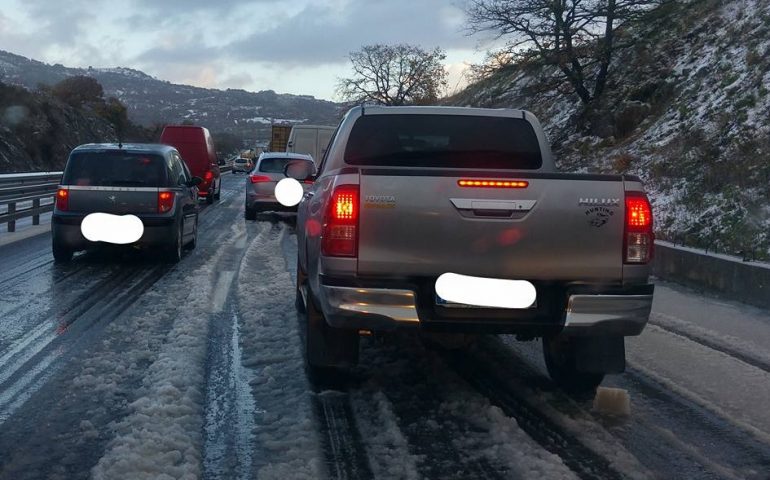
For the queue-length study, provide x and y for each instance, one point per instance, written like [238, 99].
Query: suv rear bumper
[364, 307]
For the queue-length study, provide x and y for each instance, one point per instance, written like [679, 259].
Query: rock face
[37, 131]
[687, 110]
[151, 101]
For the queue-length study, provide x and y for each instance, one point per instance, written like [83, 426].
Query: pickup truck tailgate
[559, 227]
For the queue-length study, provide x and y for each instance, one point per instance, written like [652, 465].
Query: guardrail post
[36, 217]
[12, 223]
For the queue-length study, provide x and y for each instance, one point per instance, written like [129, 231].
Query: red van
[197, 149]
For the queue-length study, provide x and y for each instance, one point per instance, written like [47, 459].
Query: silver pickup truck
[405, 195]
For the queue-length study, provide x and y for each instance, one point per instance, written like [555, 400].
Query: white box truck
[310, 139]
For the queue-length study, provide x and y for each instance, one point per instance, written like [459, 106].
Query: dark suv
[148, 181]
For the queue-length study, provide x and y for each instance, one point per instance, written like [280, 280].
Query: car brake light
[165, 201]
[259, 178]
[466, 182]
[62, 199]
[208, 175]
[340, 231]
[638, 237]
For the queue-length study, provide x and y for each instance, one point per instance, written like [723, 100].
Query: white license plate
[478, 292]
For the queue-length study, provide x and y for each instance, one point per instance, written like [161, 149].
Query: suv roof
[133, 147]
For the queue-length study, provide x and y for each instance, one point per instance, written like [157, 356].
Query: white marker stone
[289, 192]
[117, 229]
[612, 401]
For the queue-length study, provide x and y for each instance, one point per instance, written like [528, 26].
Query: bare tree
[394, 75]
[578, 37]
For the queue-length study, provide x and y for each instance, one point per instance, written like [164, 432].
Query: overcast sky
[298, 46]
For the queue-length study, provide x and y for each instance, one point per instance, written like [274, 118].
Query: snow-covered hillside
[687, 110]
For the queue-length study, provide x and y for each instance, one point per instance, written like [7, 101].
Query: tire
[174, 250]
[299, 302]
[210, 197]
[561, 362]
[327, 348]
[218, 195]
[61, 254]
[194, 242]
[250, 213]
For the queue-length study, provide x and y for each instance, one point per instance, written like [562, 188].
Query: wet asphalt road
[120, 366]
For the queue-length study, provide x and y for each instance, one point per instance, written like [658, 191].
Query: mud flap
[600, 354]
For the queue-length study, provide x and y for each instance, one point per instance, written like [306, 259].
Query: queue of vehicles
[395, 199]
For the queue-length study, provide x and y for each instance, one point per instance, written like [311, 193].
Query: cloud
[325, 33]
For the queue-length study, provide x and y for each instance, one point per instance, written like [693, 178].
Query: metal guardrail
[19, 189]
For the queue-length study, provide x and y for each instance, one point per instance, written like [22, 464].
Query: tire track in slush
[29, 368]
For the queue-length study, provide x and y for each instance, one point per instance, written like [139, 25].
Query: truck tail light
[259, 178]
[340, 227]
[165, 201]
[638, 239]
[63, 199]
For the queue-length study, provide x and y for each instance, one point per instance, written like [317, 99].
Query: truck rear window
[447, 141]
[115, 169]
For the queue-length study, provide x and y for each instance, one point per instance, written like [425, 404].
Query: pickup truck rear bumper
[363, 307]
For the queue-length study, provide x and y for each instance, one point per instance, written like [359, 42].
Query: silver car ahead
[242, 165]
[261, 182]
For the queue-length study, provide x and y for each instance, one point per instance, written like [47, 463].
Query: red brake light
[340, 232]
[487, 183]
[165, 201]
[259, 178]
[638, 237]
[62, 199]
[208, 175]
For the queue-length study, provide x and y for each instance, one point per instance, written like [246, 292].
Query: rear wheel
[61, 254]
[561, 360]
[174, 253]
[299, 302]
[250, 213]
[210, 197]
[327, 348]
[219, 191]
[194, 242]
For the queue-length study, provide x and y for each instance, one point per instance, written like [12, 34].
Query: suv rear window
[115, 169]
[276, 164]
[447, 141]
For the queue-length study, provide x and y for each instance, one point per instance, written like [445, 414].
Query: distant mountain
[151, 101]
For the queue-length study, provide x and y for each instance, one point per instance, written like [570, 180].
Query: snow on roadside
[161, 437]
[288, 445]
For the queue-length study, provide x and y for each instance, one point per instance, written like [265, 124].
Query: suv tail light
[259, 178]
[63, 199]
[208, 175]
[638, 239]
[165, 201]
[340, 230]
